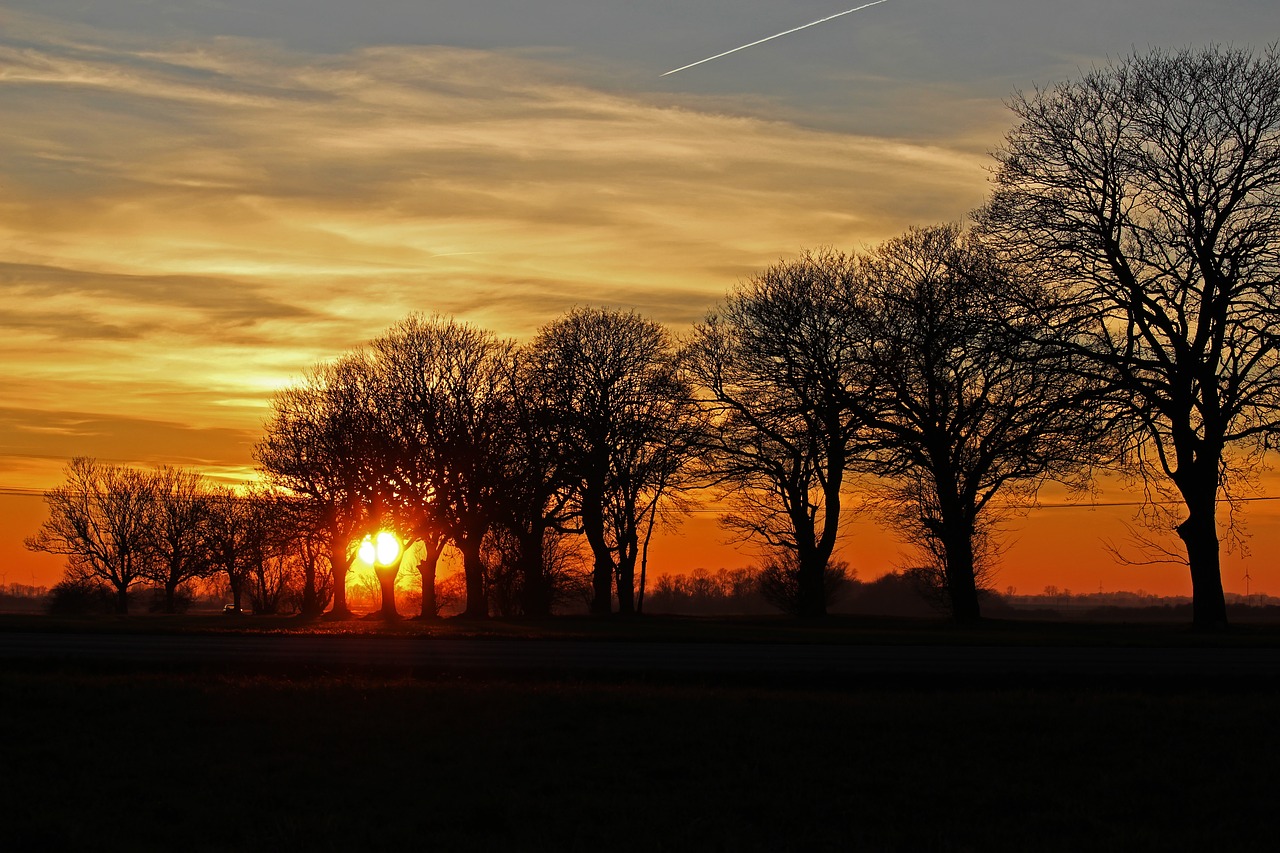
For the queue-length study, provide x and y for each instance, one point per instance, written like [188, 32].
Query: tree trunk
[811, 564]
[341, 564]
[171, 597]
[427, 568]
[602, 570]
[628, 550]
[811, 590]
[122, 599]
[340, 610]
[962, 585]
[237, 593]
[627, 587]
[473, 568]
[535, 586]
[310, 598]
[1199, 533]
[644, 556]
[387, 581]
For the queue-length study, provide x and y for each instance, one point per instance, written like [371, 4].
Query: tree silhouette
[626, 418]
[964, 399]
[178, 551]
[320, 445]
[298, 529]
[776, 364]
[779, 584]
[99, 519]
[227, 530]
[273, 548]
[537, 505]
[1149, 190]
[443, 411]
[431, 545]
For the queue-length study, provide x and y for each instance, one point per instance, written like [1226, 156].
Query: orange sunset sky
[199, 200]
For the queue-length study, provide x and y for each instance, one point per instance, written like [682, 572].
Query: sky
[198, 200]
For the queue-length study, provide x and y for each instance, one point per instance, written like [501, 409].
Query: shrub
[83, 597]
[779, 583]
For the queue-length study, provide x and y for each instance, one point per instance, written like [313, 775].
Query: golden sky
[192, 212]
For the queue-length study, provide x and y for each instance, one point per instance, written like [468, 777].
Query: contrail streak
[778, 35]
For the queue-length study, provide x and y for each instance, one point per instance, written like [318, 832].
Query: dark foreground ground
[272, 755]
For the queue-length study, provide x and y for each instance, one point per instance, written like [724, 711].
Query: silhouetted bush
[893, 594]
[81, 598]
[780, 585]
[930, 584]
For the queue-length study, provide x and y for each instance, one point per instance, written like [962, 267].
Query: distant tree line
[1115, 305]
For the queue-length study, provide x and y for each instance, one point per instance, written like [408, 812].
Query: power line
[25, 492]
[1093, 504]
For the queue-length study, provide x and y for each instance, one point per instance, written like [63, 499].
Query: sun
[381, 549]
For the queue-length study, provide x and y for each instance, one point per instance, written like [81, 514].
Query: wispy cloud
[207, 219]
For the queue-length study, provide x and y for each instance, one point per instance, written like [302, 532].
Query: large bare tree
[178, 548]
[625, 415]
[538, 502]
[443, 407]
[100, 520]
[320, 444]
[965, 401]
[776, 364]
[229, 531]
[1149, 190]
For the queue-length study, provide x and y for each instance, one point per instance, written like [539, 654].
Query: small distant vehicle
[232, 610]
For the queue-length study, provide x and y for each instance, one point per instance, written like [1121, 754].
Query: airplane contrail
[778, 35]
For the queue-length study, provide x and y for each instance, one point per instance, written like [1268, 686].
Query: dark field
[186, 758]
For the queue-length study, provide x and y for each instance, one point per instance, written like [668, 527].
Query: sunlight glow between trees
[381, 550]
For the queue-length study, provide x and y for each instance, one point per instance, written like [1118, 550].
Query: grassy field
[744, 629]
[209, 759]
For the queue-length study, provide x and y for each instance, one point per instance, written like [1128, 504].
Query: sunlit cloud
[185, 227]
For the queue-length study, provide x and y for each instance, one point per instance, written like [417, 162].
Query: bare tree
[100, 520]
[274, 562]
[625, 415]
[964, 399]
[228, 530]
[777, 364]
[1149, 189]
[430, 545]
[443, 407]
[537, 505]
[320, 444]
[180, 508]
[299, 527]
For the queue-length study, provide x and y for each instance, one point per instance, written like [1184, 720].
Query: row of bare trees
[446, 434]
[911, 367]
[1116, 304]
[120, 527]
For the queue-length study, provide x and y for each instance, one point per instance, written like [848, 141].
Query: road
[427, 654]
